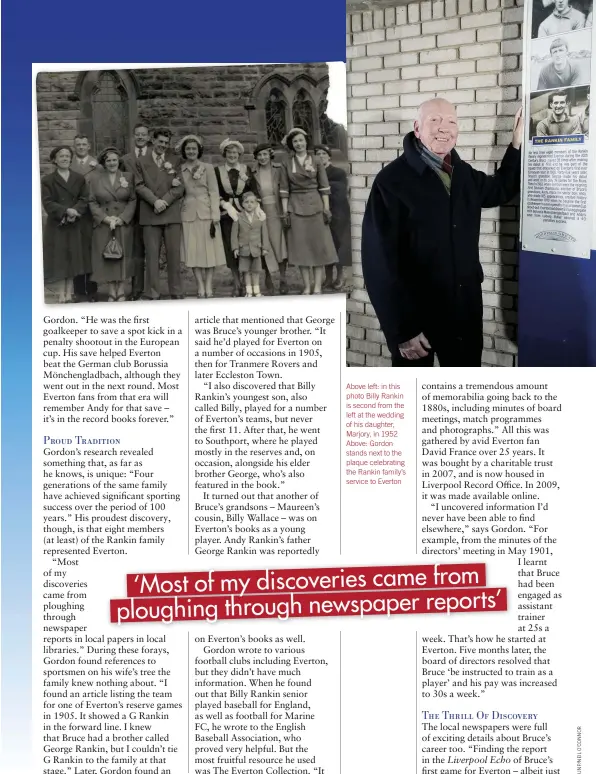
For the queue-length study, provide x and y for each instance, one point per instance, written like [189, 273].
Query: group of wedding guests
[108, 217]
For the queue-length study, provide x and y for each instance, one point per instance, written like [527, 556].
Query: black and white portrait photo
[215, 181]
[560, 62]
[560, 112]
[551, 18]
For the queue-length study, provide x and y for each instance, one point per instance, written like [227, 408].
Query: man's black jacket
[420, 245]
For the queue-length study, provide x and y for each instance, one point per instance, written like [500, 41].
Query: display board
[559, 157]
[557, 314]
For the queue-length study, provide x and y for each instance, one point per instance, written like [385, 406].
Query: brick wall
[468, 51]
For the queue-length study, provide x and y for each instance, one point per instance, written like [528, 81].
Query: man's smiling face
[559, 105]
[436, 126]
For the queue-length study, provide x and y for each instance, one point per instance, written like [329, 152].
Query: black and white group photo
[194, 182]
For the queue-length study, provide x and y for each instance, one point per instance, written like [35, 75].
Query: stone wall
[57, 113]
[468, 51]
[216, 102]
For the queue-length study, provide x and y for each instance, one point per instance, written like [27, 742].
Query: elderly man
[558, 121]
[564, 18]
[560, 71]
[420, 242]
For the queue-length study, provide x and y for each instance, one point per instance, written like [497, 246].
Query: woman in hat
[341, 227]
[233, 178]
[202, 247]
[266, 179]
[113, 204]
[65, 199]
[304, 191]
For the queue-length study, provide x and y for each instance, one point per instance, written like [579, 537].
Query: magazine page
[255, 546]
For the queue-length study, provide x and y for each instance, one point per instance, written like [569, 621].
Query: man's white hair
[423, 108]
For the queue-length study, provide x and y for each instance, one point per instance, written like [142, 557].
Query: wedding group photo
[215, 181]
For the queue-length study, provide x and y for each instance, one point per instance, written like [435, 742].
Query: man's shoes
[136, 295]
[176, 298]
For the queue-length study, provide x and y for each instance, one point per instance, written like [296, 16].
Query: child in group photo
[250, 243]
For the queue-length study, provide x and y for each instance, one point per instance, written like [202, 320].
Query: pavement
[222, 285]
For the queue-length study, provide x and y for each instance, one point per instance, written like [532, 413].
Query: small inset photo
[561, 62]
[560, 113]
[551, 18]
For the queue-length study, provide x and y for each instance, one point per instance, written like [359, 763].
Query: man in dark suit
[160, 190]
[85, 164]
[129, 162]
[420, 237]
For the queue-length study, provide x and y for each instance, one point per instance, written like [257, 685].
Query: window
[279, 103]
[108, 107]
[110, 112]
[302, 114]
[275, 116]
